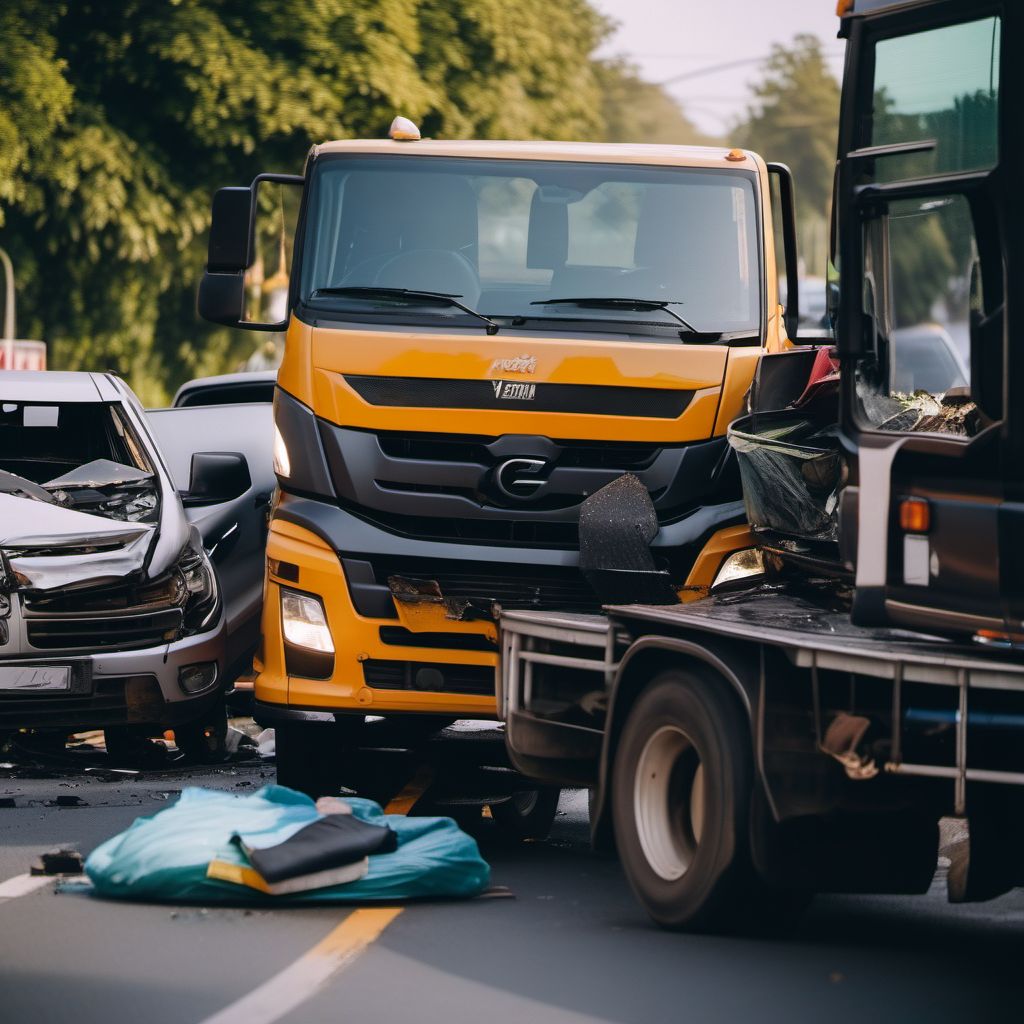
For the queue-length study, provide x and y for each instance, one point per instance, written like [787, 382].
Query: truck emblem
[517, 364]
[519, 478]
[510, 390]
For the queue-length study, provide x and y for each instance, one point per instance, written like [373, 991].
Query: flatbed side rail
[522, 640]
[955, 673]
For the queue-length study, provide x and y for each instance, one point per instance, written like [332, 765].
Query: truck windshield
[507, 237]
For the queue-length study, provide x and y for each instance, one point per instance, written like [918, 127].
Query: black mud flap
[617, 525]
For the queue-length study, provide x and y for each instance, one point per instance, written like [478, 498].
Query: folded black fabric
[327, 843]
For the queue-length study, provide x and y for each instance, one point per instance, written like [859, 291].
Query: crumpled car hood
[48, 547]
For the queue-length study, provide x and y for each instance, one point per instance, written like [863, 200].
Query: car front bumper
[119, 687]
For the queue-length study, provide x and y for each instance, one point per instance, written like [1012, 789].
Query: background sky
[666, 38]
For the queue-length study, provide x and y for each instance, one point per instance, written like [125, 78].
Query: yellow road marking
[413, 790]
[305, 977]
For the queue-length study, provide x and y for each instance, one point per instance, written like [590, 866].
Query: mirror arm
[787, 204]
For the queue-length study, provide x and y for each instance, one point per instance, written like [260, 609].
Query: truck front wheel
[310, 757]
[682, 782]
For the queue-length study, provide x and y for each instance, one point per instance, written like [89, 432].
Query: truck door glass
[921, 263]
[943, 85]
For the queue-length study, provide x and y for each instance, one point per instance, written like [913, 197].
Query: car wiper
[603, 302]
[413, 294]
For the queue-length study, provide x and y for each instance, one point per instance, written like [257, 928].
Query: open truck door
[931, 514]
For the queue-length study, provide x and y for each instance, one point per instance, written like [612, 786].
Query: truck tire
[682, 784]
[310, 757]
[529, 814]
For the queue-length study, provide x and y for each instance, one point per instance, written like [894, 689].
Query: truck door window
[921, 264]
[940, 85]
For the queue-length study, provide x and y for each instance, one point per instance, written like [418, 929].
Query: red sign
[22, 355]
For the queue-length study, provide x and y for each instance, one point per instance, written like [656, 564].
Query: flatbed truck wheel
[682, 786]
[309, 757]
[528, 814]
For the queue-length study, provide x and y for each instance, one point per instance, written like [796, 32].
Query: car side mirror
[216, 477]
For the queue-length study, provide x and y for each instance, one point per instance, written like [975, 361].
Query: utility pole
[8, 307]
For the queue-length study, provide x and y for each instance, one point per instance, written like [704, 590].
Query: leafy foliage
[118, 121]
[794, 119]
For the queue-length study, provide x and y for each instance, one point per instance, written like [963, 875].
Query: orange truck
[479, 335]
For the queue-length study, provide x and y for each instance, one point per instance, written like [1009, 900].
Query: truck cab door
[931, 506]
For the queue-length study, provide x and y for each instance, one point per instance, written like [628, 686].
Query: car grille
[429, 677]
[68, 632]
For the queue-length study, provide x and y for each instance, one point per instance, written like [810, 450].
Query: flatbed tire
[689, 867]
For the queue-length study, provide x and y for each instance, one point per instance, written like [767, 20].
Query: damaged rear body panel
[107, 598]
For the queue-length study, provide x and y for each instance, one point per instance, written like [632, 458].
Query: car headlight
[201, 595]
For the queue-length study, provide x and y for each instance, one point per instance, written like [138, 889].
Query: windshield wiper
[602, 302]
[375, 292]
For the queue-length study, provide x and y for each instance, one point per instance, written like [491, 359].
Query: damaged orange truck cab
[479, 336]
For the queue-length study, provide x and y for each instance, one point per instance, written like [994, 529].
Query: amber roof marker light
[403, 130]
[735, 155]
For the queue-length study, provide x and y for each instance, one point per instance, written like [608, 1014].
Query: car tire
[527, 814]
[681, 799]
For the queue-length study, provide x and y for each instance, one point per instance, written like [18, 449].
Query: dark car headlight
[200, 593]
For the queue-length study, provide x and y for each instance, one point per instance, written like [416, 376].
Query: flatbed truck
[860, 673]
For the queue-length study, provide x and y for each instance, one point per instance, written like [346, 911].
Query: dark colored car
[227, 389]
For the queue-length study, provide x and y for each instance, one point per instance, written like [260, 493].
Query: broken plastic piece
[62, 860]
[842, 740]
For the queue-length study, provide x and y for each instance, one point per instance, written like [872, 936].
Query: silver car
[110, 609]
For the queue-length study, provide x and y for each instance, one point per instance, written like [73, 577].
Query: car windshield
[508, 237]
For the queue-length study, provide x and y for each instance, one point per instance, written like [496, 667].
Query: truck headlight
[308, 645]
[305, 624]
[199, 580]
[739, 567]
[282, 463]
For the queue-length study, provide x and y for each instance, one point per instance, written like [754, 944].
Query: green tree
[794, 119]
[637, 111]
[118, 121]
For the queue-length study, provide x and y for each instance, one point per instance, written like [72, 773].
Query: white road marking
[22, 885]
[302, 979]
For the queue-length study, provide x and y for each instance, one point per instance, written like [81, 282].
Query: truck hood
[607, 387]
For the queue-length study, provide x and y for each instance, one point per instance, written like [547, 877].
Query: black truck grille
[600, 399]
[428, 677]
[66, 632]
[539, 587]
[514, 489]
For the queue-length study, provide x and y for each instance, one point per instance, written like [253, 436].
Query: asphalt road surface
[568, 945]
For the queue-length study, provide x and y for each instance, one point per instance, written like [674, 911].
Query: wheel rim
[668, 802]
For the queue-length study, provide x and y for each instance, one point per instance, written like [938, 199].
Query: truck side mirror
[783, 177]
[222, 288]
[233, 248]
[216, 477]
